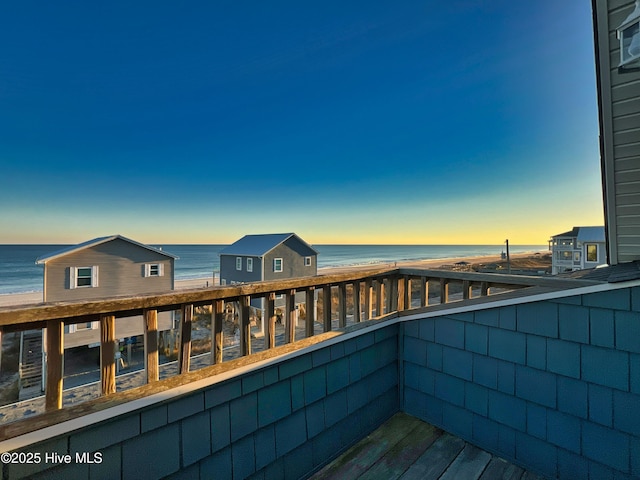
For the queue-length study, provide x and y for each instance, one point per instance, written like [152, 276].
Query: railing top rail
[134, 305]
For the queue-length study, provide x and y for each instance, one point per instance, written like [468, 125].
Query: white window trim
[239, 263]
[586, 252]
[147, 269]
[275, 261]
[249, 264]
[73, 277]
[307, 261]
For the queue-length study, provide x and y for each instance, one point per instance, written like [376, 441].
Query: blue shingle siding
[546, 394]
[158, 451]
[196, 438]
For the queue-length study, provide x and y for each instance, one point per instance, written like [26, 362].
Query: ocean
[19, 272]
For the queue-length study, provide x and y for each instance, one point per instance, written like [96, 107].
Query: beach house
[99, 268]
[272, 256]
[577, 249]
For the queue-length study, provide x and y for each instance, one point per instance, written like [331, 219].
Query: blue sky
[347, 122]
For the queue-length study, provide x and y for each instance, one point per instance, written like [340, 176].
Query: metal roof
[93, 243]
[260, 245]
[584, 234]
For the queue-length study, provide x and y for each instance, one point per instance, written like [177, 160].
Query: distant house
[578, 249]
[274, 256]
[99, 268]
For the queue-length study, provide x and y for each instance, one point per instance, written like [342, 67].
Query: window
[576, 257]
[80, 277]
[307, 261]
[154, 270]
[277, 264]
[238, 263]
[592, 253]
[249, 264]
[563, 255]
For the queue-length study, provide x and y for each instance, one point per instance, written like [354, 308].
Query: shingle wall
[552, 385]
[282, 421]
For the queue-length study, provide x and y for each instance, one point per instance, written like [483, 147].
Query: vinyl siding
[121, 272]
[620, 131]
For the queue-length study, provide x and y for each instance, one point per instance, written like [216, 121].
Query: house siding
[551, 391]
[121, 271]
[292, 253]
[619, 101]
[230, 274]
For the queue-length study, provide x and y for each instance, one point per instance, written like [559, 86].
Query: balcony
[543, 372]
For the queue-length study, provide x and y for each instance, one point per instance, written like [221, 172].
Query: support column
[108, 354]
[150, 319]
[55, 357]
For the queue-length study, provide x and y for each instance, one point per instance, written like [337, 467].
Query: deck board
[407, 448]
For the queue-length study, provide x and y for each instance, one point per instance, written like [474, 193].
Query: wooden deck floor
[407, 448]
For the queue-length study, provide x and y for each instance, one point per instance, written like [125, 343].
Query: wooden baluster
[380, 294]
[184, 355]
[108, 354]
[391, 293]
[326, 307]
[342, 305]
[357, 317]
[484, 289]
[444, 290]
[400, 296]
[54, 345]
[424, 292]
[466, 290]
[217, 312]
[310, 308]
[150, 319]
[368, 304]
[271, 320]
[245, 326]
[407, 292]
[291, 315]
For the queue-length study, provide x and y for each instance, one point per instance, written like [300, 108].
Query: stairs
[31, 365]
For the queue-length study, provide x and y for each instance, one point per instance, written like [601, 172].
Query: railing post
[150, 318]
[310, 308]
[217, 312]
[342, 305]
[291, 316]
[326, 307]
[184, 355]
[368, 305]
[55, 354]
[444, 290]
[245, 326]
[356, 301]
[108, 354]
[484, 289]
[271, 320]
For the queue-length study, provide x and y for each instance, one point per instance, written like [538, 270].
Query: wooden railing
[374, 293]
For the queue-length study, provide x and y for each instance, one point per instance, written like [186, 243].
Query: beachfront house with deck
[546, 375]
[99, 268]
[577, 249]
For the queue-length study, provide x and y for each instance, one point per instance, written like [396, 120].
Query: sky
[377, 122]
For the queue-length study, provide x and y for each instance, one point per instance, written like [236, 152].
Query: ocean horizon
[20, 274]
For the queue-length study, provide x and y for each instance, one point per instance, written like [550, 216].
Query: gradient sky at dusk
[464, 121]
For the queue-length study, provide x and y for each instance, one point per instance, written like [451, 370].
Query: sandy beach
[36, 297]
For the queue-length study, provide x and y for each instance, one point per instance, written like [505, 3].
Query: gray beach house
[273, 256]
[98, 268]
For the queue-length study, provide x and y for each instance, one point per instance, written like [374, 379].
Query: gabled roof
[93, 243]
[584, 234]
[260, 245]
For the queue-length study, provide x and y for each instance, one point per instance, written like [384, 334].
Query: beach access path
[36, 297]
